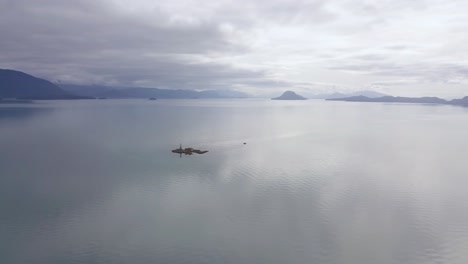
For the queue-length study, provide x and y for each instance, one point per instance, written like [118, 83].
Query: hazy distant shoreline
[20, 87]
[410, 100]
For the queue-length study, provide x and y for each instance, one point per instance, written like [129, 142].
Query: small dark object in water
[188, 151]
[152, 98]
[245, 143]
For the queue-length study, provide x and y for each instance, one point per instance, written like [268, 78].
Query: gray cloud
[424, 72]
[259, 46]
[67, 26]
[86, 41]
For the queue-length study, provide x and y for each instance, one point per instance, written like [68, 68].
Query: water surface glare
[317, 182]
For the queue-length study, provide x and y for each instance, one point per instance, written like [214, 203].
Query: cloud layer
[261, 47]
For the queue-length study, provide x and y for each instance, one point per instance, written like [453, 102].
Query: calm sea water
[317, 182]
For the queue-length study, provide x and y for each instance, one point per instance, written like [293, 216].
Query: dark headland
[410, 100]
[289, 95]
[19, 85]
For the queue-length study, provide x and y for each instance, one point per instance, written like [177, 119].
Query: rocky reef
[188, 151]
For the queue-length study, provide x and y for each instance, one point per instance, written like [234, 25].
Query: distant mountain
[141, 92]
[369, 94]
[391, 99]
[16, 84]
[328, 96]
[223, 94]
[462, 102]
[289, 95]
[86, 90]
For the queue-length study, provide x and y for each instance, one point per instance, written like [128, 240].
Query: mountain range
[99, 91]
[19, 85]
[417, 100]
[366, 93]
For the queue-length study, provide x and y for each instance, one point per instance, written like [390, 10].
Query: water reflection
[316, 183]
[8, 113]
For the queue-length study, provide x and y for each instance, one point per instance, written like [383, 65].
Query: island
[188, 151]
[289, 95]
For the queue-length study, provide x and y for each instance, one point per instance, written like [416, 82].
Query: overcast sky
[400, 47]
